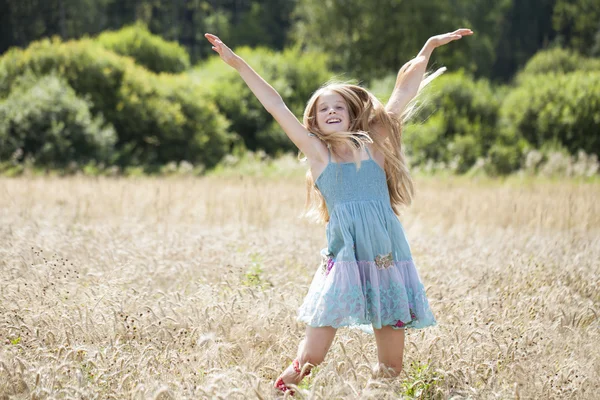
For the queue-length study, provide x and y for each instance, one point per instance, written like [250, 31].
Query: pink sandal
[279, 384]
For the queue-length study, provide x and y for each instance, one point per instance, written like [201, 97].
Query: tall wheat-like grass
[188, 288]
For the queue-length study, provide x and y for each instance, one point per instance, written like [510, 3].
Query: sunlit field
[170, 288]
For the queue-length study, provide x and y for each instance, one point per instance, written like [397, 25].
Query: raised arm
[270, 99]
[410, 76]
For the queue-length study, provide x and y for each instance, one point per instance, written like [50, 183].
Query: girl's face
[332, 113]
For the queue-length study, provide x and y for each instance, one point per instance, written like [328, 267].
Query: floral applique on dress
[327, 263]
[401, 324]
[384, 261]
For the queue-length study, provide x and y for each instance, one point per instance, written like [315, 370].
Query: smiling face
[332, 113]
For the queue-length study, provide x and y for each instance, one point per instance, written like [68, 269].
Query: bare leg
[390, 350]
[311, 352]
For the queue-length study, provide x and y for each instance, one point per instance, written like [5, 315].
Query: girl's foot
[292, 375]
[382, 371]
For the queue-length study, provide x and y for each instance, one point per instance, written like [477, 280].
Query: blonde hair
[365, 111]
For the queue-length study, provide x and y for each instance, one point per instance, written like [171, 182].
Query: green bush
[426, 141]
[561, 108]
[456, 121]
[193, 128]
[88, 68]
[503, 159]
[558, 60]
[46, 121]
[295, 75]
[465, 151]
[146, 49]
[158, 118]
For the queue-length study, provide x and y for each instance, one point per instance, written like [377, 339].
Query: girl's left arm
[410, 76]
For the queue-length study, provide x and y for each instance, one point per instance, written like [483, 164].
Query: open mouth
[333, 121]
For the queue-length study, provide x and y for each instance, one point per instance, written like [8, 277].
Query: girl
[367, 277]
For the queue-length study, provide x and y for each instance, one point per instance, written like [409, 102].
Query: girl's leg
[390, 349]
[312, 350]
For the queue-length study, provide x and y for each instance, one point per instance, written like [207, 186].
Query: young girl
[357, 183]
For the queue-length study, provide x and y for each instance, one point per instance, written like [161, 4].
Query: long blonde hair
[365, 111]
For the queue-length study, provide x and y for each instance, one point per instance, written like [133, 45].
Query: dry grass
[188, 288]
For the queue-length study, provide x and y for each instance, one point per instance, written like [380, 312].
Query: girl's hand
[440, 40]
[225, 52]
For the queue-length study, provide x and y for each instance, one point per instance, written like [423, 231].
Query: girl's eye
[340, 107]
[323, 109]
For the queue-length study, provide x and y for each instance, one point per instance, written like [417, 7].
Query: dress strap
[368, 153]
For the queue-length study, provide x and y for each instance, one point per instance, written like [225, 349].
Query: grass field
[188, 288]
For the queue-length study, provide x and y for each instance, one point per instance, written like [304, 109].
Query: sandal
[279, 384]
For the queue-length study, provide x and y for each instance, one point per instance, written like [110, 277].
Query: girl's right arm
[271, 100]
[410, 77]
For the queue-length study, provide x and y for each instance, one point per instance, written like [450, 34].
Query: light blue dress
[367, 277]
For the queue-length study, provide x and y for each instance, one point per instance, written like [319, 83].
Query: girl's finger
[212, 38]
[463, 31]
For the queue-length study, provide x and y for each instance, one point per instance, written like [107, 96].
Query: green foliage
[247, 163]
[146, 49]
[46, 121]
[295, 75]
[253, 276]
[176, 124]
[555, 108]
[170, 119]
[503, 159]
[382, 87]
[371, 41]
[264, 23]
[368, 41]
[516, 42]
[87, 67]
[456, 122]
[158, 118]
[465, 150]
[422, 381]
[576, 22]
[558, 61]
[307, 382]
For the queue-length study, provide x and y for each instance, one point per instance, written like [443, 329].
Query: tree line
[129, 98]
[368, 38]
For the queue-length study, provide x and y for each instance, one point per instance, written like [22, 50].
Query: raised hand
[440, 40]
[225, 52]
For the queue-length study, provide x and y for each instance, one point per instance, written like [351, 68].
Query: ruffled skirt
[366, 295]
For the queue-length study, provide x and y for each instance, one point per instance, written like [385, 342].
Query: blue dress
[367, 277]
